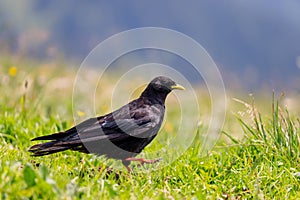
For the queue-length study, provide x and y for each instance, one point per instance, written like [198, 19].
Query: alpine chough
[121, 134]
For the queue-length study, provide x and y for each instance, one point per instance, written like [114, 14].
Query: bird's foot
[142, 160]
[109, 172]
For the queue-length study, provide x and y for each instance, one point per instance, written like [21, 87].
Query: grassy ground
[257, 156]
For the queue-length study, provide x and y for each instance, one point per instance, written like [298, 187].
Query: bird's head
[160, 87]
[164, 84]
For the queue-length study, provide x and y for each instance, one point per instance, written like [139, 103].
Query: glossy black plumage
[121, 134]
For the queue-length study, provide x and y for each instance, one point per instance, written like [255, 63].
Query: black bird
[121, 134]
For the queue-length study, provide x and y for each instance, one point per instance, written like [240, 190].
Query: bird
[121, 134]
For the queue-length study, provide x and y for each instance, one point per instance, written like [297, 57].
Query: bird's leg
[142, 160]
[126, 163]
[128, 168]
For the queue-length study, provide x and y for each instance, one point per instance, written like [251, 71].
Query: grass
[257, 156]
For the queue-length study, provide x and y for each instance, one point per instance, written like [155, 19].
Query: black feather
[121, 134]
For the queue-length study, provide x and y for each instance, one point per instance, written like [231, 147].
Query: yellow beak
[178, 87]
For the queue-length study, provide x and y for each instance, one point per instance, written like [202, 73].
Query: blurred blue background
[254, 43]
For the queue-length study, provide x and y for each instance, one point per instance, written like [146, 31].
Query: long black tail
[59, 142]
[47, 148]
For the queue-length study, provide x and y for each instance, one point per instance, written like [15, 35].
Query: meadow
[256, 157]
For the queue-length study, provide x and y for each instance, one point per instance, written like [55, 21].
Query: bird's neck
[155, 97]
